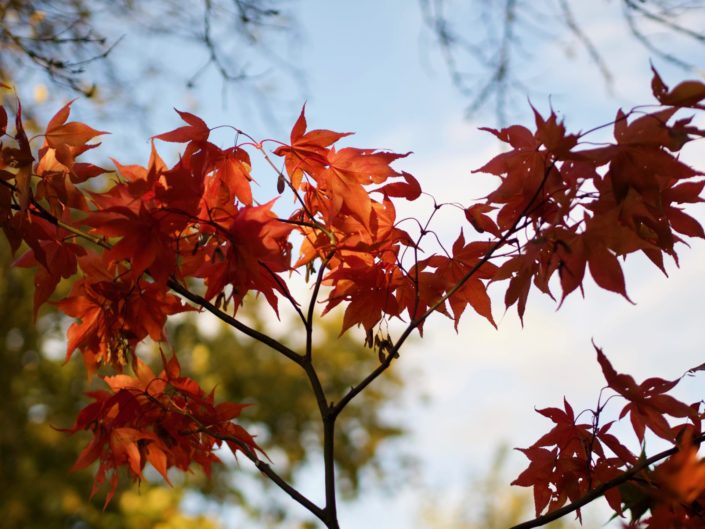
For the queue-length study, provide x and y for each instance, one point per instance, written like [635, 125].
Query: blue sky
[372, 69]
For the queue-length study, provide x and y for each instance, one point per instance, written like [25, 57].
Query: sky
[371, 68]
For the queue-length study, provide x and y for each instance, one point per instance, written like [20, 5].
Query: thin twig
[587, 43]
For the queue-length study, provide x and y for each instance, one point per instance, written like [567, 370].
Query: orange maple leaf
[73, 133]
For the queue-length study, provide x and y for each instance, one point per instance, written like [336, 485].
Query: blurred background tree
[497, 63]
[103, 49]
[39, 395]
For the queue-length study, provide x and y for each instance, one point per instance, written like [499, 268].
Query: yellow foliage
[200, 358]
[41, 93]
[158, 508]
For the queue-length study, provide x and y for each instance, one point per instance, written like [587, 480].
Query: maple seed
[118, 347]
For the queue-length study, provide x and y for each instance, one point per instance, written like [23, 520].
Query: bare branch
[490, 64]
[587, 43]
[268, 471]
[237, 324]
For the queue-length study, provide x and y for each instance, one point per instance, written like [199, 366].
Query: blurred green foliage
[40, 394]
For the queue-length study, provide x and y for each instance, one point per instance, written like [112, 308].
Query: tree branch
[267, 470]
[230, 320]
[312, 305]
[250, 454]
[587, 43]
[331, 509]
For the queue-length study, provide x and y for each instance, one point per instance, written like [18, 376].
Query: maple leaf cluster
[156, 235]
[576, 458]
[140, 228]
[165, 420]
[586, 207]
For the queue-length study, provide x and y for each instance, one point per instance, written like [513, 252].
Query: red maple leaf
[308, 151]
[148, 233]
[196, 130]
[249, 250]
[685, 94]
[56, 257]
[681, 477]
[473, 292]
[648, 403]
[568, 461]
[75, 134]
